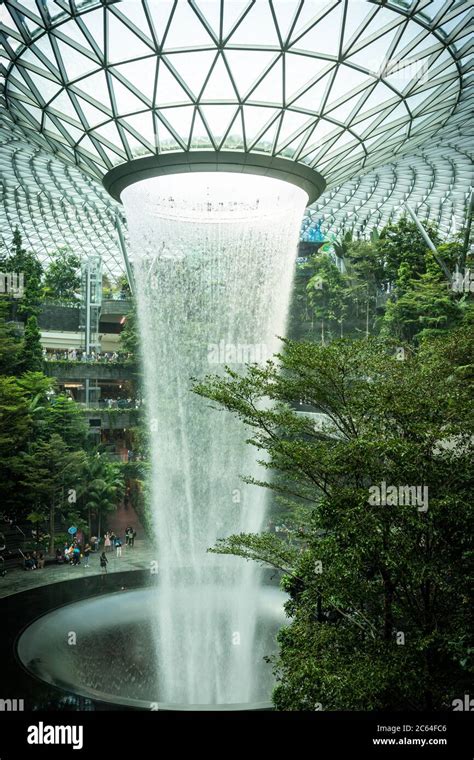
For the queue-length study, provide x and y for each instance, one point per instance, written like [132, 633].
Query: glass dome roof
[342, 85]
[378, 97]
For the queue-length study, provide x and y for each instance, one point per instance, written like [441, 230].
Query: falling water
[213, 257]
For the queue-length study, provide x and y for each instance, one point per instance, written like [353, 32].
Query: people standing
[87, 551]
[107, 542]
[118, 546]
[103, 563]
[132, 538]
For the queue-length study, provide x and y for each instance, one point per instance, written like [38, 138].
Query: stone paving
[18, 579]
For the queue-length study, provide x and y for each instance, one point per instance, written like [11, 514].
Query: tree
[26, 263]
[326, 296]
[379, 600]
[53, 479]
[420, 304]
[32, 352]
[10, 345]
[103, 487]
[129, 337]
[62, 277]
[402, 243]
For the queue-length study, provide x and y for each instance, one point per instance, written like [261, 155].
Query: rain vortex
[213, 258]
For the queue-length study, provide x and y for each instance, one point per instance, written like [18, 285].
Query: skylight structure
[344, 87]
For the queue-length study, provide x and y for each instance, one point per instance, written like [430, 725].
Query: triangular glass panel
[341, 113]
[62, 104]
[218, 119]
[200, 138]
[285, 13]
[133, 12]
[232, 13]
[256, 118]
[165, 140]
[88, 146]
[380, 97]
[180, 119]
[110, 133]
[347, 81]
[48, 89]
[92, 114]
[123, 44]
[424, 46]
[186, 30]
[193, 67]
[96, 87]
[373, 57]
[361, 126]
[50, 127]
[76, 64]
[93, 28]
[323, 38]
[160, 13]
[247, 66]
[235, 138]
[43, 45]
[219, 85]
[292, 125]
[257, 28]
[142, 123]
[323, 134]
[137, 148]
[125, 100]
[211, 11]
[300, 70]
[266, 141]
[140, 74]
[169, 89]
[312, 99]
[357, 20]
[270, 89]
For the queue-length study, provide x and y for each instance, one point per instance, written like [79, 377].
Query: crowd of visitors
[77, 551]
[34, 561]
[77, 355]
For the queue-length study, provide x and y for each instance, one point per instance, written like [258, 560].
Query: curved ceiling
[341, 85]
[377, 96]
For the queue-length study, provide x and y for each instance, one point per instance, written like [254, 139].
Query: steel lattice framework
[376, 96]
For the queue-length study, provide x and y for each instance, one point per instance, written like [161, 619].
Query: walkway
[17, 580]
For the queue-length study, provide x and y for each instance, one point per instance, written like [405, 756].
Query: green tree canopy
[379, 594]
[62, 279]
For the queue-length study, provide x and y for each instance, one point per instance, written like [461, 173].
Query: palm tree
[103, 488]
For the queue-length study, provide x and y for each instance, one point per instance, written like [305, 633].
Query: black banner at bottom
[95, 734]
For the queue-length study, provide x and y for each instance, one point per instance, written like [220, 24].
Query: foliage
[32, 352]
[26, 263]
[102, 487]
[62, 278]
[359, 574]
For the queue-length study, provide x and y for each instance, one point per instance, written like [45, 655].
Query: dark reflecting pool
[104, 648]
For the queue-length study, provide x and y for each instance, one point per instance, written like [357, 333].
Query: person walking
[103, 563]
[87, 551]
[132, 538]
[118, 546]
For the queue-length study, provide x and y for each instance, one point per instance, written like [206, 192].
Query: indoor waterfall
[213, 258]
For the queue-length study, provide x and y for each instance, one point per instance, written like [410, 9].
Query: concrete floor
[138, 558]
